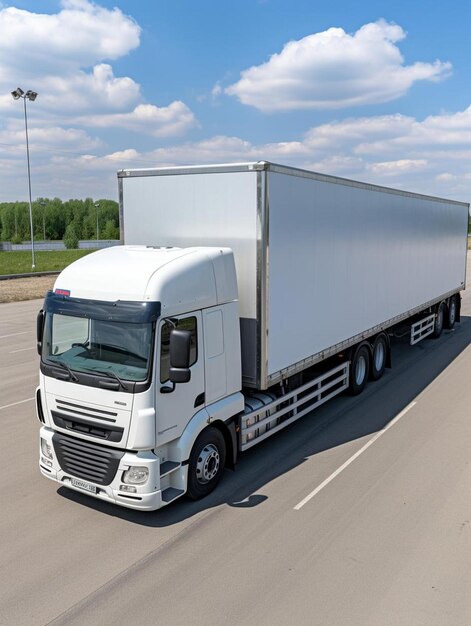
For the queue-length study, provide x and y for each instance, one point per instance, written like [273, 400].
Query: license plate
[80, 484]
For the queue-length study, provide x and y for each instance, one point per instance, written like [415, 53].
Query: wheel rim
[452, 312]
[379, 356]
[360, 370]
[208, 462]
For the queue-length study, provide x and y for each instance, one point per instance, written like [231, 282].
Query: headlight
[136, 475]
[46, 448]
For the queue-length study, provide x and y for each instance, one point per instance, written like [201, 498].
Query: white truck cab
[120, 418]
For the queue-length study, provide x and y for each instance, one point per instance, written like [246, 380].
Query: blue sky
[376, 91]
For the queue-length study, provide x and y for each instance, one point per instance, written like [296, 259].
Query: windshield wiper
[110, 374]
[66, 367]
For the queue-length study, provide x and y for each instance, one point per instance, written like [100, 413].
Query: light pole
[29, 95]
[97, 206]
[43, 204]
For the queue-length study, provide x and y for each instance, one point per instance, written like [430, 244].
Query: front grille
[86, 460]
[112, 433]
[86, 411]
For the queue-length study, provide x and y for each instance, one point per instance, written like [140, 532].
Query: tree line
[54, 219]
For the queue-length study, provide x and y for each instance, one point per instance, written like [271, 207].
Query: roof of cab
[182, 279]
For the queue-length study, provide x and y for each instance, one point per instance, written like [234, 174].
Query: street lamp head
[17, 93]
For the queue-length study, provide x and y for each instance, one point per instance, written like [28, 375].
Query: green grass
[19, 262]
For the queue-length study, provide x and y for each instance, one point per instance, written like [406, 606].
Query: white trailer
[260, 292]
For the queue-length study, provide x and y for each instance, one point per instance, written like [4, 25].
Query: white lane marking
[15, 403]
[22, 350]
[355, 456]
[26, 332]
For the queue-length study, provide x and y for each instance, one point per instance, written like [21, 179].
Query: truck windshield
[88, 345]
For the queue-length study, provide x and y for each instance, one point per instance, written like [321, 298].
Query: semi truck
[243, 297]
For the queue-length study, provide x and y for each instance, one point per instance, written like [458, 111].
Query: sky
[371, 90]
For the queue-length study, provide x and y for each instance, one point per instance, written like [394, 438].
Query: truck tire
[439, 320]
[451, 313]
[206, 463]
[359, 369]
[379, 357]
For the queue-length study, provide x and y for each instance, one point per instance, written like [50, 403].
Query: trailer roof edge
[277, 168]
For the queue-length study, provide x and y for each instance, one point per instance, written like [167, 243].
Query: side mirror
[180, 341]
[39, 331]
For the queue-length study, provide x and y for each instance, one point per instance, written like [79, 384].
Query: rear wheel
[450, 315]
[359, 370]
[439, 320]
[206, 464]
[378, 360]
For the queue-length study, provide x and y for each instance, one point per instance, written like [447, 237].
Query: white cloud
[172, 120]
[445, 130]
[77, 36]
[334, 69]
[105, 162]
[399, 167]
[446, 177]
[353, 130]
[65, 62]
[337, 165]
[216, 149]
[52, 54]
[85, 92]
[216, 90]
[46, 140]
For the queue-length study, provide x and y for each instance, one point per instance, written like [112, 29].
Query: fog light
[128, 488]
[46, 462]
[136, 475]
[46, 448]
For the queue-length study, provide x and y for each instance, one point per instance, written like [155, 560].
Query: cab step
[167, 467]
[171, 493]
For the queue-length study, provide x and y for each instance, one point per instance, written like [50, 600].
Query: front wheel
[206, 464]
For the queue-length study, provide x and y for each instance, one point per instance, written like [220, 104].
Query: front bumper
[148, 497]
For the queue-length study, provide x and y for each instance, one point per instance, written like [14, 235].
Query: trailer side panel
[344, 259]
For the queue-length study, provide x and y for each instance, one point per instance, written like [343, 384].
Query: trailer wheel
[450, 315]
[359, 370]
[439, 320]
[378, 358]
[206, 464]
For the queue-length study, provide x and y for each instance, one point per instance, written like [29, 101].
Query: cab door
[176, 404]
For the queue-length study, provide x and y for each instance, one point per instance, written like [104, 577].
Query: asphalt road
[386, 540]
